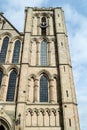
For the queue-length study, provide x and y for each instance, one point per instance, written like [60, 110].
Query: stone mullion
[28, 92]
[51, 89]
[48, 28]
[36, 90]
[32, 25]
[38, 54]
[50, 25]
[30, 57]
[4, 88]
[9, 51]
[49, 53]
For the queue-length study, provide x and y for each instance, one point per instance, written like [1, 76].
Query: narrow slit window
[67, 94]
[70, 122]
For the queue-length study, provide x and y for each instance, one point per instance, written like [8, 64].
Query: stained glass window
[16, 52]
[43, 89]
[4, 50]
[43, 57]
[11, 86]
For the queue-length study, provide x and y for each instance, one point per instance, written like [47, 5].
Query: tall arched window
[43, 89]
[43, 25]
[16, 52]
[4, 49]
[1, 75]
[43, 58]
[11, 86]
[2, 127]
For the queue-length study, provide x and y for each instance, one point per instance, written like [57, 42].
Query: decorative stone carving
[41, 114]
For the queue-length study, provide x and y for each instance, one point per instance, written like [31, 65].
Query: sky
[76, 22]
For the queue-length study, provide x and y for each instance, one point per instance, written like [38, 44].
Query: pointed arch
[43, 56]
[4, 49]
[45, 72]
[11, 86]
[5, 122]
[43, 89]
[6, 34]
[17, 38]
[13, 67]
[2, 127]
[16, 52]
[3, 69]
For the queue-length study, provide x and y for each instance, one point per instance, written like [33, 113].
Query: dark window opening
[43, 89]
[67, 94]
[2, 128]
[43, 31]
[4, 50]
[16, 52]
[43, 57]
[70, 122]
[43, 26]
[11, 86]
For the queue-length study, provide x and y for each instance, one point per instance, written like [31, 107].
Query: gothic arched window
[43, 57]
[43, 25]
[1, 75]
[4, 49]
[2, 127]
[11, 86]
[43, 89]
[16, 52]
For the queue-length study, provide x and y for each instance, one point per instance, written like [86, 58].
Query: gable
[6, 25]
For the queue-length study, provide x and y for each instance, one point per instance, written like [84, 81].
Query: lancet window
[11, 86]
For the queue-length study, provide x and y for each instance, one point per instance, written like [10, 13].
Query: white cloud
[77, 24]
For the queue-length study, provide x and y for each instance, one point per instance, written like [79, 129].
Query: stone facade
[26, 111]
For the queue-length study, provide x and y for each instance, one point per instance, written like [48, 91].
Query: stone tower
[36, 83]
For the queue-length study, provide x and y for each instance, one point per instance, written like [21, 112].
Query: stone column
[50, 24]
[38, 54]
[36, 90]
[49, 53]
[9, 52]
[51, 91]
[30, 57]
[28, 92]
[3, 91]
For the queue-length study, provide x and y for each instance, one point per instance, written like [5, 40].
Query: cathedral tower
[36, 81]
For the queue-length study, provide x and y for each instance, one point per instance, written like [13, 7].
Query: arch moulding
[5, 119]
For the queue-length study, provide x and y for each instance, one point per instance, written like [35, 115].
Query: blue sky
[76, 21]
